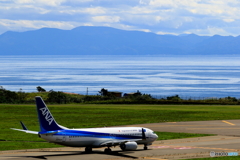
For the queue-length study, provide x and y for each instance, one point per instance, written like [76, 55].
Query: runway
[227, 140]
[218, 127]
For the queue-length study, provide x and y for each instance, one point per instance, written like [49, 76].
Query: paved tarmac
[227, 140]
[218, 127]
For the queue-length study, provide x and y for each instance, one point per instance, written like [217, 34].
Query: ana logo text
[47, 114]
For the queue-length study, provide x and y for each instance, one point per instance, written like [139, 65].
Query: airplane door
[64, 138]
[147, 134]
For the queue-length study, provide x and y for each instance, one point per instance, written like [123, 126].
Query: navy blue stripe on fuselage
[120, 136]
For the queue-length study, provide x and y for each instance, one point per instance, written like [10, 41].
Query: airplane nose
[155, 136]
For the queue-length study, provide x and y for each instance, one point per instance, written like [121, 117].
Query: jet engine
[129, 146]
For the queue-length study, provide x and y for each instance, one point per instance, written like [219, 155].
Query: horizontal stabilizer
[26, 131]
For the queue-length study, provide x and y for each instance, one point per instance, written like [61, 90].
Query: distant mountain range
[88, 40]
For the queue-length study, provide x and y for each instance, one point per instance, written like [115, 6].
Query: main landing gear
[88, 149]
[107, 150]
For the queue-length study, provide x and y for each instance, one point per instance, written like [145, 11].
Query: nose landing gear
[145, 147]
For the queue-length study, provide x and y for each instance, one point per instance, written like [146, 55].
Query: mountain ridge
[92, 40]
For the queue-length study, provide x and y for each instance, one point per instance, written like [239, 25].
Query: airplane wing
[119, 142]
[25, 129]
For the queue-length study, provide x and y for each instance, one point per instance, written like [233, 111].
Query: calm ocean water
[163, 76]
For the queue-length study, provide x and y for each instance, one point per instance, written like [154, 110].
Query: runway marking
[160, 146]
[197, 140]
[154, 158]
[173, 147]
[229, 123]
[226, 149]
[192, 147]
[183, 148]
[211, 128]
[169, 125]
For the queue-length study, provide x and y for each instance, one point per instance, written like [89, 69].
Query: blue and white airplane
[127, 138]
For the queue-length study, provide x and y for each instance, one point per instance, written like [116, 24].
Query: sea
[160, 76]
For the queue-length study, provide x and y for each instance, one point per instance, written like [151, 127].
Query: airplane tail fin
[46, 120]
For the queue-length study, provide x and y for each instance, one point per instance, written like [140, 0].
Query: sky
[201, 17]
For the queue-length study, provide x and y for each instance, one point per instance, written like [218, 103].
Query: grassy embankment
[84, 116]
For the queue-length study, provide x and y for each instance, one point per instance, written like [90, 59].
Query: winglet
[23, 126]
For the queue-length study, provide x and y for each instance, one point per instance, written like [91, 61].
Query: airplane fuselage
[94, 137]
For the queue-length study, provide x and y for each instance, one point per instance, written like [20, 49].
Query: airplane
[127, 138]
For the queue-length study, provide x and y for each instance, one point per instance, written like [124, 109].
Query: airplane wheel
[88, 149]
[123, 147]
[107, 150]
[145, 148]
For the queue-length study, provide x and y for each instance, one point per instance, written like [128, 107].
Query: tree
[174, 98]
[138, 93]
[40, 89]
[21, 95]
[57, 97]
[7, 96]
[103, 92]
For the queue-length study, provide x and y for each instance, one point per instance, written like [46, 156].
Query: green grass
[84, 116]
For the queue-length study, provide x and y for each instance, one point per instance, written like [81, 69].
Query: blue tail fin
[46, 120]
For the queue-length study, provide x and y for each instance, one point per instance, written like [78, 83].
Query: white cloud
[228, 20]
[140, 10]
[41, 2]
[92, 10]
[163, 4]
[215, 31]
[210, 31]
[159, 16]
[169, 33]
[144, 2]
[24, 1]
[20, 10]
[27, 24]
[144, 30]
[109, 19]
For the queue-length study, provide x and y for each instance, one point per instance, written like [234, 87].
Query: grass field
[84, 116]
